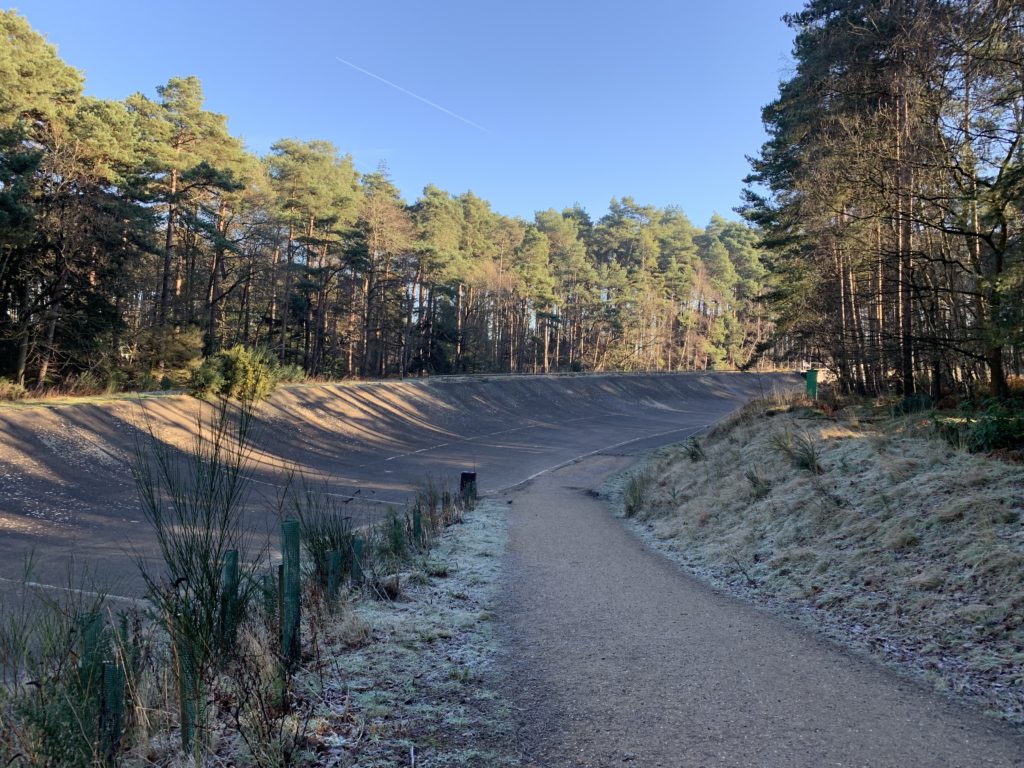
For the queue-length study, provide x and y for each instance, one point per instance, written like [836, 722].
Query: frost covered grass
[866, 525]
[421, 686]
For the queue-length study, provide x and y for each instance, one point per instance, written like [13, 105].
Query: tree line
[138, 236]
[891, 189]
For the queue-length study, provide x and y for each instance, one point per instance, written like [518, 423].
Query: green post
[333, 574]
[187, 690]
[229, 601]
[467, 487]
[357, 560]
[112, 712]
[280, 596]
[269, 595]
[291, 586]
[417, 527]
[90, 665]
[812, 383]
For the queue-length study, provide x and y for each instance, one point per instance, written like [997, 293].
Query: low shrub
[636, 492]
[394, 539]
[86, 383]
[65, 675]
[805, 454]
[997, 427]
[208, 379]
[11, 390]
[249, 374]
[695, 450]
[799, 448]
[239, 372]
[204, 664]
[324, 527]
[144, 381]
[760, 486]
[289, 373]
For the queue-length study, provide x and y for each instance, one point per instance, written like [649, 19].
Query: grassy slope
[900, 545]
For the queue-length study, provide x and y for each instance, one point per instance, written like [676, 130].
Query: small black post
[467, 487]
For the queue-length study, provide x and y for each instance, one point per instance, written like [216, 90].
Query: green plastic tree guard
[90, 665]
[333, 574]
[812, 383]
[187, 693]
[280, 594]
[417, 527]
[229, 601]
[112, 712]
[357, 560]
[291, 586]
[269, 595]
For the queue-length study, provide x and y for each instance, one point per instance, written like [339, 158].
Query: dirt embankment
[870, 528]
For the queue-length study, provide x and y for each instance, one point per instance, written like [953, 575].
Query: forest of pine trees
[138, 236]
[891, 193]
[884, 237]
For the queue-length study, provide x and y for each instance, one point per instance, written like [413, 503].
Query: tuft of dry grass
[895, 538]
[760, 486]
[695, 450]
[638, 488]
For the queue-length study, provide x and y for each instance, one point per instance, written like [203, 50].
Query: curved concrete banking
[65, 487]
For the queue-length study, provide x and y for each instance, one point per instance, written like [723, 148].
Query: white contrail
[428, 102]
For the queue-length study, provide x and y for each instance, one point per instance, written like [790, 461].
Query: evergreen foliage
[238, 373]
[138, 238]
[890, 194]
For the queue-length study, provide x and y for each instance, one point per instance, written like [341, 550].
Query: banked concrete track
[66, 491]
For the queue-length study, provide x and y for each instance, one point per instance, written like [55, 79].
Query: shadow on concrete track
[65, 486]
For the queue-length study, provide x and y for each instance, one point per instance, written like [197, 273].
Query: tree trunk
[904, 215]
[165, 284]
[285, 303]
[213, 297]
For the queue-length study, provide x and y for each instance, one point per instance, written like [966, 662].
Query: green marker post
[357, 561]
[812, 383]
[291, 585]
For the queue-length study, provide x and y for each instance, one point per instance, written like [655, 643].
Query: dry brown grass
[897, 538]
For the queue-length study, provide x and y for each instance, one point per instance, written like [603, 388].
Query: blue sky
[576, 101]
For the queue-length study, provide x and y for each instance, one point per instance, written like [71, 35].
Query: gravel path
[622, 659]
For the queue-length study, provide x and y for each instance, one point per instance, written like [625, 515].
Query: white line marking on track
[90, 593]
[535, 475]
